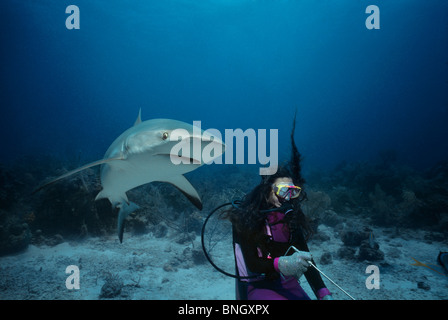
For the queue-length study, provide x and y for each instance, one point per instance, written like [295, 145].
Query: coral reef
[112, 287]
[361, 245]
[15, 235]
[69, 208]
[15, 216]
[385, 194]
[363, 213]
[188, 259]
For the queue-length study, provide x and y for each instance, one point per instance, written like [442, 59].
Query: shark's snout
[196, 148]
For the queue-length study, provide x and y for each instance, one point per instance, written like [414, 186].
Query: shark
[144, 153]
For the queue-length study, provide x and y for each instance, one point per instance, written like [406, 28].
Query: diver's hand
[294, 265]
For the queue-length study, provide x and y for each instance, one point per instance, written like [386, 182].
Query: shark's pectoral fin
[89, 165]
[184, 186]
[125, 210]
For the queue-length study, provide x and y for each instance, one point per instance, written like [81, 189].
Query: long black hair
[248, 217]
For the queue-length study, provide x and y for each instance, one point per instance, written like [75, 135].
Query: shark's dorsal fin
[139, 118]
[89, 165]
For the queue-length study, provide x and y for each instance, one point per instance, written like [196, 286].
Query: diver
[266, 222]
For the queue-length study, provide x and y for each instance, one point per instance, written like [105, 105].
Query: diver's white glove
[294, 265]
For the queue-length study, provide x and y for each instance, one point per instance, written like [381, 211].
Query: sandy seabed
[153, 268]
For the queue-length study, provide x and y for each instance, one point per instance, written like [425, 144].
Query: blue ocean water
[362, 96]
[229, 64]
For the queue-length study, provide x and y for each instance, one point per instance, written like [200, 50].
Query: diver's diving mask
[286, 191]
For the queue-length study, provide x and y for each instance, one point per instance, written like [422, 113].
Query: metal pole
[292, 247]
[330, 280]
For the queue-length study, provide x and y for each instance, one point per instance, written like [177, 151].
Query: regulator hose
[235, 204]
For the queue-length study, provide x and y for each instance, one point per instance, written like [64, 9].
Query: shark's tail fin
[125, 210]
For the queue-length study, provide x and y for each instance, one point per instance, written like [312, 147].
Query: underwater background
[372, 106]
[230, 64]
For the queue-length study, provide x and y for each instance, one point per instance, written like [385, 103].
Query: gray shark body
[144, 153]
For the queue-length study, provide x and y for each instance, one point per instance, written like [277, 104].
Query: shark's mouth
[182, 159]
[188, 150]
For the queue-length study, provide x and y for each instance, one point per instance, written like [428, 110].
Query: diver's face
[273, 199]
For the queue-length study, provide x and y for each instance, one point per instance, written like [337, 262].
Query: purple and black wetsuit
[262, 259]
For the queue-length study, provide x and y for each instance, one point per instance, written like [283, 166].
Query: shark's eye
[165, 135]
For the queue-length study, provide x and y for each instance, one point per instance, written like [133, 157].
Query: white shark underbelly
[120, 176]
